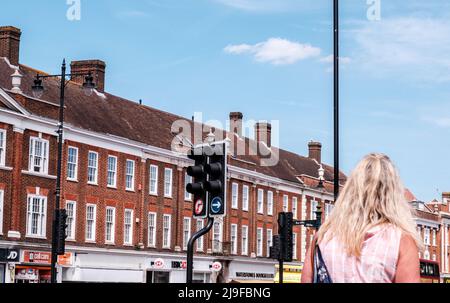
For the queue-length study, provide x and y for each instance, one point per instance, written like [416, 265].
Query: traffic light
[216, 183]
[275, 248]
[61, 226]
[285, 225]
[197, 187]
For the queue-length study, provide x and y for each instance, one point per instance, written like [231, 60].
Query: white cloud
[330, 58]
[276, 51]
[270, 5]
[412, 47]
[443, 122]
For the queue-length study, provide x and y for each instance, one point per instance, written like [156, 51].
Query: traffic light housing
[197, 187]
[275, 248]
[61, 226]
[285, 225]
[216, 170]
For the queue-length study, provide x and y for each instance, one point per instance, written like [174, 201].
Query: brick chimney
[263, 133]
[10, 43]
[315, 151]
[236, 123]
[97, 67]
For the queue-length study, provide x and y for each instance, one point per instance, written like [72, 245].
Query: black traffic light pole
[190, 249]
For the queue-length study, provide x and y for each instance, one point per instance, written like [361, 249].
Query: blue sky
[269, 60]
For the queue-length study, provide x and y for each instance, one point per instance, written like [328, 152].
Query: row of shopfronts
[32, 265]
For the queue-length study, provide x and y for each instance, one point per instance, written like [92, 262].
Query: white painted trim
[6, 168]
[32, 173]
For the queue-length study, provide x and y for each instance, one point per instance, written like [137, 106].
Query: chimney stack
[10, 43]
[263, 133]
[236, 123]
[315, 151]
[97, 67]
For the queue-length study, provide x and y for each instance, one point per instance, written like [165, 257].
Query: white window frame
[43, 167]
[153, 178]
[219, 239]
[151, 235]
[113, 225]
[244, 240]
[234, 238]
[259, 241]
[73, 224]
[2, 213]
[42, 217]
[294, 246]
[285, 203]
[260, 201]
[130, 175]
[245, 197]
[94, 223]
[270, 203]
[433, 237]
[187, 195]
[426, 236]
[3, 140]
[75, 164]
[130, 231]
[168, 184]
[111, 171]
[167, 235]
[269, 235]
[295, 207]
[186, 231]
[234, 195]
[94, 168]
[199, 226]
[312, 214]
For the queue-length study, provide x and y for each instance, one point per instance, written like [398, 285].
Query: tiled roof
[117, 116]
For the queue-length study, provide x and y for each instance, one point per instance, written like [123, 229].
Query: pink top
[378, 260]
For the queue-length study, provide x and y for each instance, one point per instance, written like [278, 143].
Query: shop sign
[38, 257]
[254, 275]
[9, 255]
[216, 266]
[158, 263]
[179, 264]
[66, 259]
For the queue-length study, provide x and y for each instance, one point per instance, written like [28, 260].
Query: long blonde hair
[373, 195]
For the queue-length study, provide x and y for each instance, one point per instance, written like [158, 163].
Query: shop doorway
[158, 277]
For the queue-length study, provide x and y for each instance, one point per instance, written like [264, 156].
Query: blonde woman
[370, 236]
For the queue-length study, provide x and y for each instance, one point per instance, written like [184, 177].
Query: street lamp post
[336, 96]
[38, 90]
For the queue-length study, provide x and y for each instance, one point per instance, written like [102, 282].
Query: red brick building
[124, 186]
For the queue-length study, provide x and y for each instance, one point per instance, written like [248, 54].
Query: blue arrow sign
[216, 205]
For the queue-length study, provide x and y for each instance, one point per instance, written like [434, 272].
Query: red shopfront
[34, 267]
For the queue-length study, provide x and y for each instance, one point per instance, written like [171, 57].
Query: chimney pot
[315, 151]
[96, 67]
[10, 43]
[263, 133]
[236, 123]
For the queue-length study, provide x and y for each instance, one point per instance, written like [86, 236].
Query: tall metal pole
[58, 173]
[190, 249]
[336, 97]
